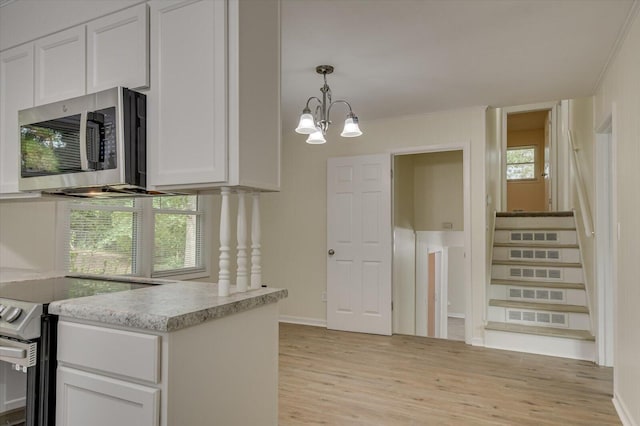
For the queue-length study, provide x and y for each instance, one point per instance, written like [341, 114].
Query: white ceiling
[401, 57]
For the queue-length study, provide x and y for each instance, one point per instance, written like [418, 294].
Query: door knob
[331, 252]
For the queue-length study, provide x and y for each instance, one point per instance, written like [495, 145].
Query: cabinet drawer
[89, 399]
[124, 353]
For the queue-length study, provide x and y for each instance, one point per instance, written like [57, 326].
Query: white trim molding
[314, 322]
[622, 411]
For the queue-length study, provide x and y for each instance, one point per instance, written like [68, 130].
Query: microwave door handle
[84, 161]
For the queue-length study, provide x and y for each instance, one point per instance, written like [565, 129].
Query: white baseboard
[541, 345]
[315, 322]
[453, 315]
[622, 411]
[477, 341]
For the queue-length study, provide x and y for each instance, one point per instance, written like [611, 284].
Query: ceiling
[526, 120]
[402, 57]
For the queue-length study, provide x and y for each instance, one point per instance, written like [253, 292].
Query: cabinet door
[88, 399]
[117, 50]
[16, 88]
[60, 66]
[187, 102]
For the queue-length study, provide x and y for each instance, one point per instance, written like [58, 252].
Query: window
[521, 163]
[157, 236]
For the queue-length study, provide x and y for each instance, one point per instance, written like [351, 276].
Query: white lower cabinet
[90, 399]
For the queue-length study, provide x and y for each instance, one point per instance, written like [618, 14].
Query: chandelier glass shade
[316, 124]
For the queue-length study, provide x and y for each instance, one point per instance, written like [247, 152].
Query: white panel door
[16, 93]
[188, 97]
[117, 50]
[359, 244]
[60, 66]
[89, 399]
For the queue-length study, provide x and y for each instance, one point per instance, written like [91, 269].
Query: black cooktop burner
[52, 289]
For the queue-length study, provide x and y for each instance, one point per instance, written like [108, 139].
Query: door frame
[465, 147]
[553, 161]
[605, 245]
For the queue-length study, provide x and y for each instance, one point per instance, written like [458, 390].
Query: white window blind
[115, 236]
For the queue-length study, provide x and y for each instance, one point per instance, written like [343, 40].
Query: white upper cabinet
[117, 53]
[187, 103]
[16, 87]
[205, 79]
[60, 66]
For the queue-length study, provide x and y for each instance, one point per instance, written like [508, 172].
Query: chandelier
[315, 125]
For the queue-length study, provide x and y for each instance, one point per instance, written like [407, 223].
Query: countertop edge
[105, 314]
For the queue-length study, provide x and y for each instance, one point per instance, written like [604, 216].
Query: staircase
[537, 297]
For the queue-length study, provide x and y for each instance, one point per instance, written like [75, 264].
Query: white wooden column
[256, 269]
[242, 279]
[225, 240]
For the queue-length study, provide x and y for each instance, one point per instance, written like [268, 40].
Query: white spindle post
[242, 280]
[225, 240]
[256, 269]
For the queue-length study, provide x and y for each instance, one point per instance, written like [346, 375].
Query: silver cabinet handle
[331, 252]
[13, 352]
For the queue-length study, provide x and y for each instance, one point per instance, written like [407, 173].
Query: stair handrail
[582, 194]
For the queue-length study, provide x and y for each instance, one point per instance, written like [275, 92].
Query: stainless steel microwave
[92, 144]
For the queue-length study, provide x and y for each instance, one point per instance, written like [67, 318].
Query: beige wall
[28, 235]
[403, 189]
[527, 195]
[294, 220]
[438, 191]
[619, 91]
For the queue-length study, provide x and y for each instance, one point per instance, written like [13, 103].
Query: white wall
[581, 125]
[438, 191]
[294, 220]
[619, 93]
[455, 290]
[28, 235]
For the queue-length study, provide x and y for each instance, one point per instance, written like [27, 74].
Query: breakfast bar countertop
[165, 307]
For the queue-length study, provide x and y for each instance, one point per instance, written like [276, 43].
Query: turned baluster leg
[242, 280]
[256, 269]
[225, 240]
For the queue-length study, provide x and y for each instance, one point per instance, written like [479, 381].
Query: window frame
[142, 263]
[535, 163]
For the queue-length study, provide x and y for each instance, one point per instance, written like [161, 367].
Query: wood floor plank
[337, 378]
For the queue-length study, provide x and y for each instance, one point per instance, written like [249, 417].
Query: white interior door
[359, 244]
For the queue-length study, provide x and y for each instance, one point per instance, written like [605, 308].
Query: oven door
[18, 382]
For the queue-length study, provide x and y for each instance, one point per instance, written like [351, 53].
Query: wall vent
[537, 295]
[552, 254]
[537, 318]
[541, 274]
[533, 236]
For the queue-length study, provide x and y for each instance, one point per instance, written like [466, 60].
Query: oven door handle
[10, 352]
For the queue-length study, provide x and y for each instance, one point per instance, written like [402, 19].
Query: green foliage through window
[521, 163]
[109, 236]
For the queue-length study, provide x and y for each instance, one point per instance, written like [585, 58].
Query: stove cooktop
[52, 289]
[23, 302]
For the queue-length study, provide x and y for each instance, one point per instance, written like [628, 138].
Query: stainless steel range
[28, 335]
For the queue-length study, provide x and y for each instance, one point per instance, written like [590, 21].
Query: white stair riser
[536, 222]
[563, 237]
[569, 275]
[543, 345]
[575, 321]
[527, 254]
[570, 296]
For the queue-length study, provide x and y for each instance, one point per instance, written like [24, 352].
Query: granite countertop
[165, 307]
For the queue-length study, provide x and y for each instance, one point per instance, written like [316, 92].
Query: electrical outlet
[324, 296]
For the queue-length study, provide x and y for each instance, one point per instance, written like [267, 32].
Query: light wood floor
[338, 378]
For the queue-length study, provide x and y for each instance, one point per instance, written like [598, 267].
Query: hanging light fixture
[315, 125]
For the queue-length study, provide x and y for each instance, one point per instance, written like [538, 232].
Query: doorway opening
[529, 145]
[429, 264]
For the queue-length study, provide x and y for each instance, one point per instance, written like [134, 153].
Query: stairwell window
[521, 163]
[149, 237]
